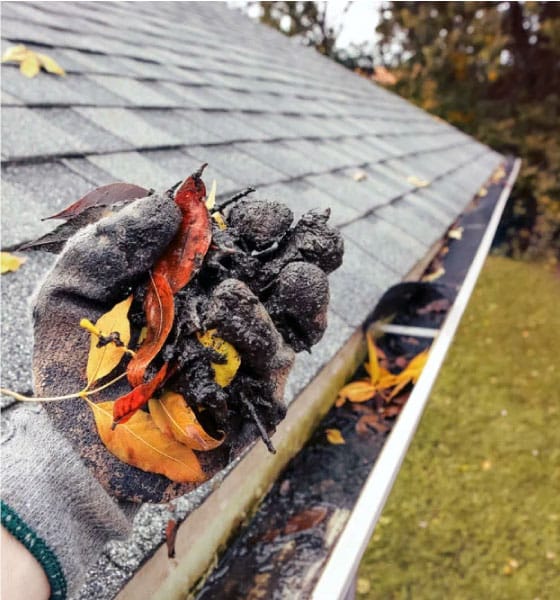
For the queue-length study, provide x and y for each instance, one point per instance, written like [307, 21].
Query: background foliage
[491, 69]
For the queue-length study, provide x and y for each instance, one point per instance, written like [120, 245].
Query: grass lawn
[475, 511]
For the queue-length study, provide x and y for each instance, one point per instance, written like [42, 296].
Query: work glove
[262, 286]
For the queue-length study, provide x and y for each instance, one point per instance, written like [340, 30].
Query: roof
[154, 89]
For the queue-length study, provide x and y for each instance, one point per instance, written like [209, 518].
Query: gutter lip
[338, 574]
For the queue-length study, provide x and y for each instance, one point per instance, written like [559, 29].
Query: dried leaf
[10, 262]
[141, 444]
[359, 175]
[417, 181]
[127, 405]
[456, 233]
[51, 65]
[306, 519]
[30, 65]
[334, 437]
[211, 199]
[367, 422]
[225, 372]
[103, 360]
[106, 195]
[174, 417]
[434, 275]
[15, 53]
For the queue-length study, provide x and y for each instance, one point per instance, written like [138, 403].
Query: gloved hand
[263, 287]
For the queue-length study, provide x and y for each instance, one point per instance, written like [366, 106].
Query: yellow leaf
[373, 363]
[456, 233]
[15, 53]
[101, 361]
[50, 65]
[434, 275]
[482, 192]
[359, 175]
[417, 181]
[410, 374]
[223, 373]
[211, 199]
[10, 262]
[357, 391]
[141, 444]
[334, 436]
[219, 219]
[30, 65]
[174, 417]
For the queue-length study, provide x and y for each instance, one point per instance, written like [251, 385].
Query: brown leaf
[367, 422]
[174, 417]
[392, 411]
[306, 519]
[170, 535]
[141, 444]
[102, 360]
[334, 437]
[10, 262]
[106, 195]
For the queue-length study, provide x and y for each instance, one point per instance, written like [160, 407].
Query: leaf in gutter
[410, 374]
[357, 391]
[373, 363]
[141, 444]
[334, 437]
[456, 233]
[30, 65]
[306, 519]
[170, 535]
[223, 373]
[434, 275]
[174, 417]
[368, 422]
[103, 359]
[10, 262]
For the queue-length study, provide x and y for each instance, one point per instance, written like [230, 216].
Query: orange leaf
[141, 444]
[127, 405]
[357, 391]
[173, 416]
[334, 437]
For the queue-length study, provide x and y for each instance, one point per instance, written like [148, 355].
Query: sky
[358, 23]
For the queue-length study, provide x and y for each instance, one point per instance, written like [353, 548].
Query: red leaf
[159, 308]
[105, 195]
[128, 404]
[170, 535]
[306, 519]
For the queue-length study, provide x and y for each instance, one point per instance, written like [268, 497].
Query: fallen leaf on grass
[10, 262]
[223, 372]
[141, 444]
[104, 359]
[367, 422]
[175, 418]
[30, 62]
[334, 437]
[306, 519]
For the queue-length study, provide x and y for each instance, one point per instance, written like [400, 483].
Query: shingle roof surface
[154, 89]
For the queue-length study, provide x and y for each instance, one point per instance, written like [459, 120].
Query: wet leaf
[103, 360]
[334, 437]
[10, 262]
[225, 372]
[306, 519]
[106, 195]
[482, 192]
[211, 199]
[174, 417]
[127, 405]
[141, 444]
[367, 422]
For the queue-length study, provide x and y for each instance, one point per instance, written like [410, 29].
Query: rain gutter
[338, 575]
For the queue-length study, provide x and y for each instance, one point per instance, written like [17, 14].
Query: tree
[492, 69]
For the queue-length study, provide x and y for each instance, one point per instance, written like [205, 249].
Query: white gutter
[341, 568]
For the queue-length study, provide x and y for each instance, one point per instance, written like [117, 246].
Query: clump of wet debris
[263, 286]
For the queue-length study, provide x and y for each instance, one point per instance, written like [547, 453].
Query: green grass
[475, 511]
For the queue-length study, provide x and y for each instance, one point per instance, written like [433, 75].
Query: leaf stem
[80, 394]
